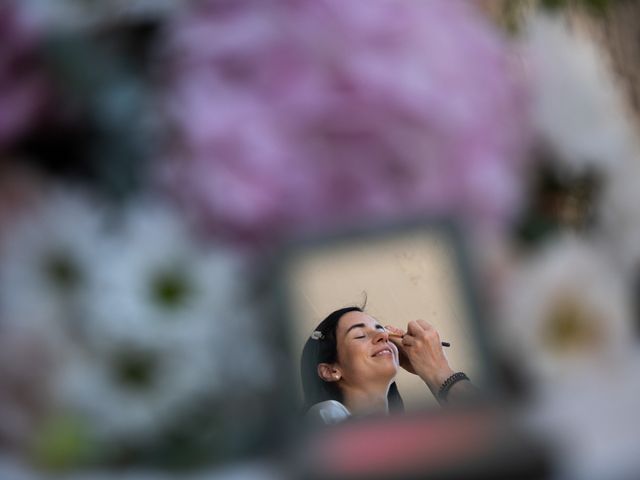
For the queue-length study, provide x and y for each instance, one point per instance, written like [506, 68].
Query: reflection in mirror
[403, 274]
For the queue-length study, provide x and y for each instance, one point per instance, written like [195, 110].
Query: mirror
[405, 272]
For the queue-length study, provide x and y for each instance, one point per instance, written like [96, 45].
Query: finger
[414, 328]
[425, 325]
[408, 341]
[394, 331]
[397, 341]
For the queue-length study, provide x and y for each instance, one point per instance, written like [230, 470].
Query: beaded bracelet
[449, 382]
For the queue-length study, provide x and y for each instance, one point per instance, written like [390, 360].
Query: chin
[391, 371]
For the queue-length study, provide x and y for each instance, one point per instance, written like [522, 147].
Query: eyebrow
[362, 325]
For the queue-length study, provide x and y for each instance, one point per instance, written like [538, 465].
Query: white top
[328, 412]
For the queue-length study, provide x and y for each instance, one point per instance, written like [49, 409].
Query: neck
[366, 401]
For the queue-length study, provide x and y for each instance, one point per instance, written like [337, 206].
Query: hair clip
[317, 335]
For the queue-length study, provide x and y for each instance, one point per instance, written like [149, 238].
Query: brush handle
[444, 344]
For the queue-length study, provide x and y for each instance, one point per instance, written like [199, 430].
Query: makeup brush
[393, 334]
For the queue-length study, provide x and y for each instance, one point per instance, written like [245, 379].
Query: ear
[328, 372]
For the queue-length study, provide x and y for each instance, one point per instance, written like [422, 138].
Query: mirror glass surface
[404, 274]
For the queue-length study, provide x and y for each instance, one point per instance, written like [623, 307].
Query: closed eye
[379, 328]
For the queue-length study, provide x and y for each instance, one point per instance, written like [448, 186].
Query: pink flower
[23, 87]
[298, 115]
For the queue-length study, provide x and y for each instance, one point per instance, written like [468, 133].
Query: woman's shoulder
[328, 412]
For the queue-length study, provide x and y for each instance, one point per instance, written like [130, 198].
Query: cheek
[352, 356]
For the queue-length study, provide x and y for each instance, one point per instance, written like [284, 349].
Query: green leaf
[63, 443]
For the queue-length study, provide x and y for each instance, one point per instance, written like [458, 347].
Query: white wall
[406, 277]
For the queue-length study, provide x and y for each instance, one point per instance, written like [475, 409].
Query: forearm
[422, 348]
[460, 392]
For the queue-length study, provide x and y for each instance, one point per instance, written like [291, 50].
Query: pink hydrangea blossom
[23, 86]
[298, 115]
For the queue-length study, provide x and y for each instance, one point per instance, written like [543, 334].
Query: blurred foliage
[512, 13]
[558, 201]
[597, 6]
[214, 431]
[63, 444]
[101, 132]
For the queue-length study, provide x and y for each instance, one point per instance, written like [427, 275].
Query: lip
[383, 349]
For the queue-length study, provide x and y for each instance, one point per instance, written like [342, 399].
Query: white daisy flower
[144, 320]
[578, 108]
[47, 264]
[580, 112]
[125, 391]
[566, 312]
[171, 322]
[619, 219]
[593, 438]
[161, 286]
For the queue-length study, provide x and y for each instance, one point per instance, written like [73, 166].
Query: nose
[381, 336]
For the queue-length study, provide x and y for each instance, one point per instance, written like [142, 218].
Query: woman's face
[365, 353]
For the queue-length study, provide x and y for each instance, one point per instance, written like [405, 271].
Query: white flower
[578, 109]
[144, 320]
[170, 323]
[593, 422]
[125, 391]
[47, 264]
[619, 219]
[161, 286]
[567, 312]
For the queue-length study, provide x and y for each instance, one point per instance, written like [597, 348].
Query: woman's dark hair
[322, 348]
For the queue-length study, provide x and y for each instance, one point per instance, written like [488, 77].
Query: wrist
[449, 385]
[435, 379]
